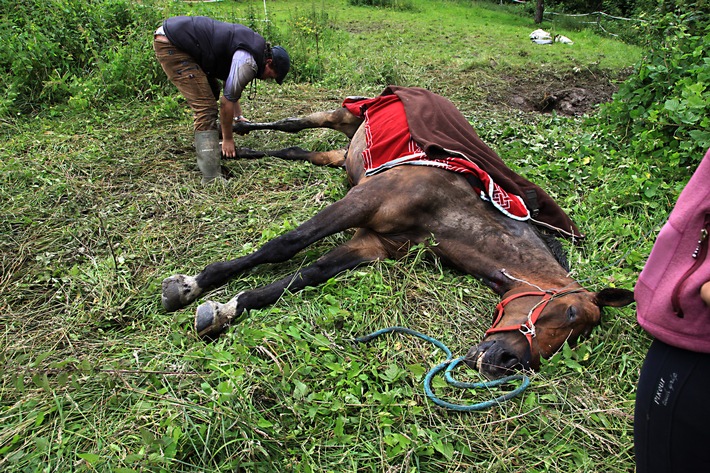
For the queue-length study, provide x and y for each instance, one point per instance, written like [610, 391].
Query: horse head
[529, 325]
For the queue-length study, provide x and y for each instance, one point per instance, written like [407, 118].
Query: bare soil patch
[572, 94]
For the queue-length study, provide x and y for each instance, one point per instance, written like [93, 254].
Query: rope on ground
[448, 366]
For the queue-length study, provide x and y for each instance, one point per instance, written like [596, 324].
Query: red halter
[527, 328]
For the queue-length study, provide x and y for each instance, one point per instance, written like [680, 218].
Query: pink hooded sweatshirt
[667, 293]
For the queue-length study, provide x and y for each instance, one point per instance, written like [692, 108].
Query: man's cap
[280, 62]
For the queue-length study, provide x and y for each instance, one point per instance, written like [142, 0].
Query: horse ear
[611, 297]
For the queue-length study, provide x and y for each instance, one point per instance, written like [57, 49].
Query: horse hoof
[211, 318]
[205, 318]
[178, 291]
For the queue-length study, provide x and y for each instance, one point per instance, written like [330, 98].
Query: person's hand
[705, 293]
[228, 149]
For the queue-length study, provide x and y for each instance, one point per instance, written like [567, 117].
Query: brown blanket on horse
[441, 130]
[390, 144]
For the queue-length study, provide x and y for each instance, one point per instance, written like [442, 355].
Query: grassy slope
[100, 205]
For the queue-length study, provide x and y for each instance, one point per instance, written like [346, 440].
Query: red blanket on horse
[416, 127]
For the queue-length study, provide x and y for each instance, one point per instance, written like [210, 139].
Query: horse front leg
[349, 212]
[212, 318]
[340, 120]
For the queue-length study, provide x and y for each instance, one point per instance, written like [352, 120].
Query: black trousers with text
[672, 414]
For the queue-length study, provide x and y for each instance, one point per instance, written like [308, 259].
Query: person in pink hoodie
[671, 431]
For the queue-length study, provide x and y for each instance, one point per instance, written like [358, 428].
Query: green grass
[100, 204]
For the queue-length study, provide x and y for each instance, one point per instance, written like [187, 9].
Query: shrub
[56, 51]
[662, 112]
[310, 32]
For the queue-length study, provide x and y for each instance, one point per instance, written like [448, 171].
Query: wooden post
[539, 8]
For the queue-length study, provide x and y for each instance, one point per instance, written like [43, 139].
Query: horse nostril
[502, 361]
[508, 360]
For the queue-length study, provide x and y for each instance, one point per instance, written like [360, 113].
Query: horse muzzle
[494, 360]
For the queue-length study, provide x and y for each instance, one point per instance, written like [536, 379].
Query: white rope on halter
[513, 278]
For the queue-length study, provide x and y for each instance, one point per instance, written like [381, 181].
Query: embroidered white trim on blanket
[494, 194]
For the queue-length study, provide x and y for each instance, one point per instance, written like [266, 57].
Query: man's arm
[228, 110]
[242, 71]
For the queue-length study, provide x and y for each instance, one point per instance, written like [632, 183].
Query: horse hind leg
[339, 119]
[334, 158]
[212, 318]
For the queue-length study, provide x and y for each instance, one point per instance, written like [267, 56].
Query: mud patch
[573, 94]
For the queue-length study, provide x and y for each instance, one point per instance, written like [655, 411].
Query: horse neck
[553, 281]
[534, 264]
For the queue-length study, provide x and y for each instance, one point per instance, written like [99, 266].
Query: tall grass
[101, 201]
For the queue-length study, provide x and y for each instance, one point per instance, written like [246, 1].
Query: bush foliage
[76, 52]
[662, 112]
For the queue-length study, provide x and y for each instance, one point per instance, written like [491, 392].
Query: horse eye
[571, 313]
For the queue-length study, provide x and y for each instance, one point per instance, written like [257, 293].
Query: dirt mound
[573, 94]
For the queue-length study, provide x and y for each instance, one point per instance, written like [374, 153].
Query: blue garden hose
[449, 365]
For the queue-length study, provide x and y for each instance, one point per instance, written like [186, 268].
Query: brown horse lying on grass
[455, 194]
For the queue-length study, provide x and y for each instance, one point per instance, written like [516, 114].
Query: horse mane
[554, 245]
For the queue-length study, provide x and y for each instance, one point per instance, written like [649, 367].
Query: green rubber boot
[208, 156]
